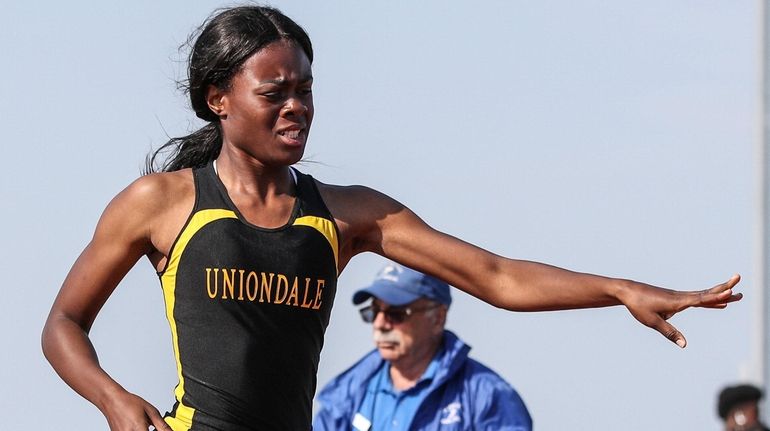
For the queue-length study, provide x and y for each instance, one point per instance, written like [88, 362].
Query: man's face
[744, 416]
[415, 337]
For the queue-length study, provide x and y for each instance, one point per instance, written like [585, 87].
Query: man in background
[419, 376]
[738, 406]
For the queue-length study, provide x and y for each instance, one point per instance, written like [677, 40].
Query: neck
[264, 195]
[406, 372]
[245, 174]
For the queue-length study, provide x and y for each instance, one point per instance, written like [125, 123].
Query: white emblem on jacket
[361, 423]
[451, 413]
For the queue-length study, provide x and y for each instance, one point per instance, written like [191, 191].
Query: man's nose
[380, 321]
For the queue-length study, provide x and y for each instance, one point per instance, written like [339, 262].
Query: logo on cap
[390, 273]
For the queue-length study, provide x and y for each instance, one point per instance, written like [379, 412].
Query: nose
[381, 322]
[294, 106]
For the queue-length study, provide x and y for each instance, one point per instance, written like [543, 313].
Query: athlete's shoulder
[352, 195]
[163, 185]
[150, 195]
[359, 211]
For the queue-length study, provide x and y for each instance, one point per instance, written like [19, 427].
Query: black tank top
[248, 308]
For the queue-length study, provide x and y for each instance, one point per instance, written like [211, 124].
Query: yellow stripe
[182, 421]
[326, 228]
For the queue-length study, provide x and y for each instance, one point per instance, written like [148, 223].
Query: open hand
[653, 306]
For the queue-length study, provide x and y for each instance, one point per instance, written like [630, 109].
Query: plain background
[610, 137]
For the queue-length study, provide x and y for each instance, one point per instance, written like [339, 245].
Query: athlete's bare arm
[139, 221]
[371, 221]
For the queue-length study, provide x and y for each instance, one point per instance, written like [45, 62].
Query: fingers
[718, 296]
[727, 285]
[731, 298]
[156, 419]
[735, 279]
[669, 331]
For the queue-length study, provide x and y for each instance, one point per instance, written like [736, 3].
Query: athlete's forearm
[69, 350]
[531, 286]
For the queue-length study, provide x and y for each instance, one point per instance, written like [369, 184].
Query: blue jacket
[465, 395]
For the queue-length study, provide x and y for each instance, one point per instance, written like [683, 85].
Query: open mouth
[291, 134]
[293, 137]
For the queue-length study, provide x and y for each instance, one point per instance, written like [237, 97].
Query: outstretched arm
[371, 221]
[120, 239]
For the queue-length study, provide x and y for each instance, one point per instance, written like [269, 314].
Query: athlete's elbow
[51, 336]
[46, 340]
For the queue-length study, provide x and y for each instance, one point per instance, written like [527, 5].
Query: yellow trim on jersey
[182, 420]
[326, 228]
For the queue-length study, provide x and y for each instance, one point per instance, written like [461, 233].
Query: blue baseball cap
[398, 285]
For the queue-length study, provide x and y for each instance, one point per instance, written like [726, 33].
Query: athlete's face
[267, 111]
[412, 340]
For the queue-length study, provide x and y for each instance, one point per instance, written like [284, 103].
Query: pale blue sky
[608, 137]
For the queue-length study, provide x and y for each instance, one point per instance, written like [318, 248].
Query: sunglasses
[392, 314]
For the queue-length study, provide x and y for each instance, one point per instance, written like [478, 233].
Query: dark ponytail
[224, 42]
[191, 151]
